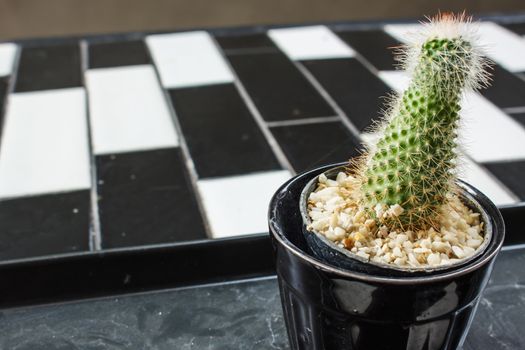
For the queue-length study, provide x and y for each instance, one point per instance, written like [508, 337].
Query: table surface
[237, 315]
[135, 140]
[139, 139]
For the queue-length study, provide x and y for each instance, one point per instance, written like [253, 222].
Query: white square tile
[478, 177]
[45, 143]
[238, 205]
[501, 45]
[487, 133]
[310, 43]
[188, 59]
[128, 110]
[402, 32]
[396, 80]
[7, 57]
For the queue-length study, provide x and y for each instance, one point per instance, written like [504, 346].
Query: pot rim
[466, 196]
[481, 200]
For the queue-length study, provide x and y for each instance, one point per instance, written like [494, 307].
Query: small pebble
[433, 259]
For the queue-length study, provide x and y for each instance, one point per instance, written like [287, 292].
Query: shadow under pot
[333, 300]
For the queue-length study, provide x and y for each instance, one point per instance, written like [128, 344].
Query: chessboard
[144, 139]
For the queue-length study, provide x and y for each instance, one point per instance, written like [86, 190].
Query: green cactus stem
[413, 163]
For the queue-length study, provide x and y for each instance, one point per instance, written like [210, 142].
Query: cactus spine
[413, 163]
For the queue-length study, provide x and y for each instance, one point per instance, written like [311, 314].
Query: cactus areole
[413, 163]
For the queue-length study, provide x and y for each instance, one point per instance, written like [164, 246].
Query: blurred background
[40, 18]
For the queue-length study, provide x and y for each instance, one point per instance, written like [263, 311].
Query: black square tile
[519, 117]
[4, 81]
[357, 91]
[518, 28]
[222, 135]
[277, 88]
[42, 225]
[146, 198]
[511, 174]
[514, 218]
[119, 53]
[506, 89]
[245, 42]
[49, 67]
[310, 145]
[376, 46]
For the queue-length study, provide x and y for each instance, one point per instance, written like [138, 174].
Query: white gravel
[334, 210]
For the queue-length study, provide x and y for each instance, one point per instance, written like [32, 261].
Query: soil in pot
[331, 209]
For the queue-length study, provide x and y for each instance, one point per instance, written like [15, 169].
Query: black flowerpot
[327, 306]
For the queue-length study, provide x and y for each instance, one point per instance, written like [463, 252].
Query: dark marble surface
[239, 315]
[501, 313]
[234, 316]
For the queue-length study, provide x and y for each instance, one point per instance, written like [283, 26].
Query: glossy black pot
[329, 307]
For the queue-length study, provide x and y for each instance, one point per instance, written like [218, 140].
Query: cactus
[413, 163]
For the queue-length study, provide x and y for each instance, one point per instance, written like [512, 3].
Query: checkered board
[132, 140]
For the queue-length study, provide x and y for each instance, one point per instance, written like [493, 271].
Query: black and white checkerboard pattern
[131, 140]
